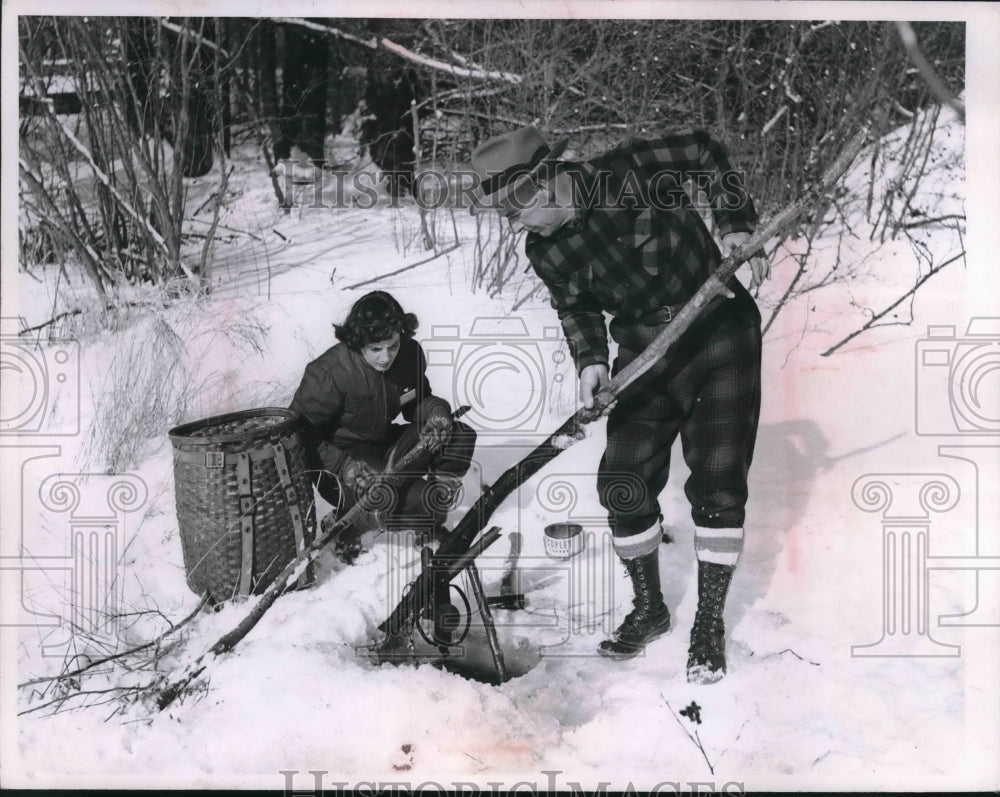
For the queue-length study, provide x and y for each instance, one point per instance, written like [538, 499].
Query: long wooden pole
[402, 618]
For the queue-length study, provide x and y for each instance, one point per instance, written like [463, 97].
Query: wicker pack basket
[244, 500]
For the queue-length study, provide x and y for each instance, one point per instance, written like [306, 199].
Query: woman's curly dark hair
[375, 316]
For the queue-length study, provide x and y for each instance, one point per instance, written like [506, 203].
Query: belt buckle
[669, 314]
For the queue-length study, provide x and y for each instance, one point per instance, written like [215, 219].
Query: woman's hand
[359, 476]
[436, 431]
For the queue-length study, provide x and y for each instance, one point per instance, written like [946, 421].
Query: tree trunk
[267, 54]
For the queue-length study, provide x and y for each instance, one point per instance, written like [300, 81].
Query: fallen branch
[197, 37]
[253, 235]
[54, 320]
[138, 690]
[457, 71]
[478, 73]
[404, 268]
[878, 316]
[387, 44]
[934, 220]
[796, 655]
[114, 657]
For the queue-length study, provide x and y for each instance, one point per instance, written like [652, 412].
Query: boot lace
[708, 630]
[643, 607]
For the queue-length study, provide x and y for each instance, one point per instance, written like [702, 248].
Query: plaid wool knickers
[707, 389]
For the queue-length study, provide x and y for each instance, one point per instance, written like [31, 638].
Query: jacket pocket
[359, 415]
[648, 244]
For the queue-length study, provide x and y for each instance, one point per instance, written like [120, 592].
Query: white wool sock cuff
[721, 546]
[640, 544]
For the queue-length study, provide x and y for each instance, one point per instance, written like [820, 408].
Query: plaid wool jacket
[637, 243]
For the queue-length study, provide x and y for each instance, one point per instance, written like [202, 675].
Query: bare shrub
[145, 387]
[107, 184]
[784, 95]
[161, 377]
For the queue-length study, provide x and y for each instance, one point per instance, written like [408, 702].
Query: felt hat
[506, 161]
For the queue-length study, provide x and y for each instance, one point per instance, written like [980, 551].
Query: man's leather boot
[648, 619]
[707, 653]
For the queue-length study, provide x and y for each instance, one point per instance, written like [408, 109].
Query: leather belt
[661, 315]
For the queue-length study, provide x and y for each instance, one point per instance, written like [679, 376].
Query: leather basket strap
[292, 499]
[246, 522]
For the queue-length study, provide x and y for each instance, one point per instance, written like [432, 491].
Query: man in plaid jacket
[619, 234]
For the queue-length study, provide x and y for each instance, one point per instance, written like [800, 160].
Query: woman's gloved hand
[359, 476]
[436, 431]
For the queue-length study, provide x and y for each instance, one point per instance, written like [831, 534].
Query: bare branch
[198, 37]
[880, 315]
[387, 44]
[114, 657]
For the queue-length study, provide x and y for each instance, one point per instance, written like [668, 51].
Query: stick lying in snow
[403, 617]
[170, 688]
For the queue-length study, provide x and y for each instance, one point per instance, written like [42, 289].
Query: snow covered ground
[803, 706]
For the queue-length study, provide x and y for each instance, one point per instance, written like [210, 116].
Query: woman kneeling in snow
[348, 399]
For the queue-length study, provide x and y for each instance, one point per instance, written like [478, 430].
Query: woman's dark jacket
[345, 402]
